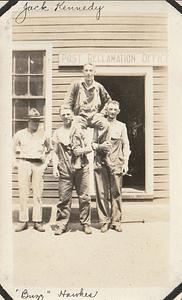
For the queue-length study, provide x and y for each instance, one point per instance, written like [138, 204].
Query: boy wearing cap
[33, 145]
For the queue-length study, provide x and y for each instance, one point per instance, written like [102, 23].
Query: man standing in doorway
[71, 171]
[108, 177]
[31, 163]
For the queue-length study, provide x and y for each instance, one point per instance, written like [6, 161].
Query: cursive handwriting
[81, 293]
[63, 6]
[89, 7]
[21, 17]
[26, 295]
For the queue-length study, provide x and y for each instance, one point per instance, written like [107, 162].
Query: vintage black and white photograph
[90, 133]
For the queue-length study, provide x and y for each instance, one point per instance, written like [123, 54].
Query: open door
[129, 91]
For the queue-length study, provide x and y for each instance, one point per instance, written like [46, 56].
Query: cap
[34, 114]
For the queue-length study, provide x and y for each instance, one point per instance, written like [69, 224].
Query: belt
[33, 160]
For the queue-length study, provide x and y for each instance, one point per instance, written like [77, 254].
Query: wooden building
[130, 54]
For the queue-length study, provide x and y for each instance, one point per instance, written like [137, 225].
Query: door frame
[147, 72]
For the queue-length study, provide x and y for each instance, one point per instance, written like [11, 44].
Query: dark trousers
[80, 179]
[108, 196]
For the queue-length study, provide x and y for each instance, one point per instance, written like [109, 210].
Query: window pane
[36, 63]
[21, 62]
[21, 85]
[20, 109]
[20, 125]
[36, 85]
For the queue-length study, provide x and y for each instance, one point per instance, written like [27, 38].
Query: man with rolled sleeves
[71, 166]
[108, 176]
[33, 144]
[87, 98]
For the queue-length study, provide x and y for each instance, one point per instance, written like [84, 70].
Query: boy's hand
[106, 146]
[124, 169]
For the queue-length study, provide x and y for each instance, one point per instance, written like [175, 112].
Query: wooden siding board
[159, 103]
[161, 155]
[101, 43]
[161, 171]
[58, 50]
[35, 19]
[160, 118]
[161, 163]
[62, 28]
[159, 88]
[161, 148]
[160, 80]
[91, 36]
[162, 194]
[161, 186]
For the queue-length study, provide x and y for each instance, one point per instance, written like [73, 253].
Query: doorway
[129, 91]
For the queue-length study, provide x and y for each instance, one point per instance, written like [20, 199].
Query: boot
[87, 229]
[39, 227]
[59, 231]
[21, 226]
[104, 228]
[117, 227]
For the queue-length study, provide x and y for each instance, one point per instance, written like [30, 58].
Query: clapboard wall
[137, 33]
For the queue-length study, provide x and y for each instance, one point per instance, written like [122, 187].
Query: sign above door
[113, 59]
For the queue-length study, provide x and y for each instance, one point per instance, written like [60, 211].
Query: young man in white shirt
[32, 144]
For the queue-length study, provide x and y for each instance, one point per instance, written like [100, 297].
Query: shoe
[39, 227]
[21, 226]
[117, 227]
[104, 228]
[59, 231]
[87, 229]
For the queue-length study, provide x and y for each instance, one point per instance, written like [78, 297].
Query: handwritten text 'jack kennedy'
[63, 6]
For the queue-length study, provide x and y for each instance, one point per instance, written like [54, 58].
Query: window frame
[35, 46]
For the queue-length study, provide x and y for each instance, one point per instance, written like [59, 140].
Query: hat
[34, 114]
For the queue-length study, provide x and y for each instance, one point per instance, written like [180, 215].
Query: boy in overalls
[87, 99]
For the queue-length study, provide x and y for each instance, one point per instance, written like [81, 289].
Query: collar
[93, 85]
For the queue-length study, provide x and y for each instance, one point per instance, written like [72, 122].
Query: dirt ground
[136, 257]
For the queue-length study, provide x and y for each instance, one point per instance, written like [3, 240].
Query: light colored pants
[79, 179]
[27, 171]
[108, 193]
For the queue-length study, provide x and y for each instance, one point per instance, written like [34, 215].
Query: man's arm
[72, 95]
[105, 98]
[96, 146]
[80, 144]
[55, 159]
[15, 144]
[48, 152]
[126, 149]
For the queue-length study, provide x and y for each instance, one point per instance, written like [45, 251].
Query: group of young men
[87, 104]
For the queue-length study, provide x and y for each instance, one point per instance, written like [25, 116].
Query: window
[28, 84]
